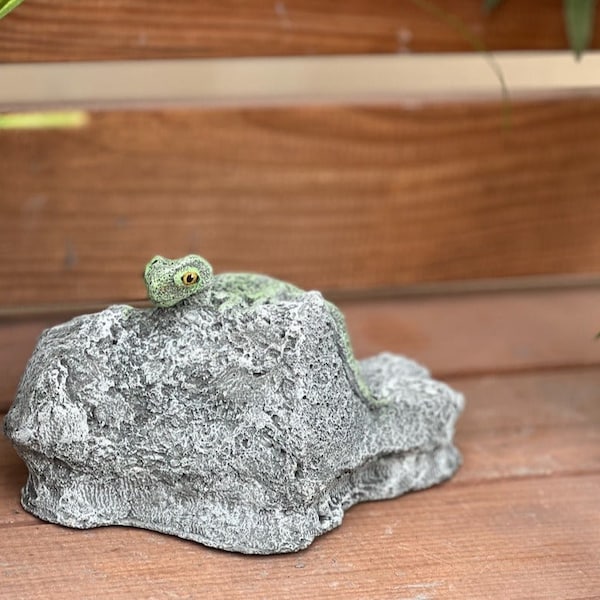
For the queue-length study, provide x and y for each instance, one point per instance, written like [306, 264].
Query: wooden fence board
[337, 198]
[58, 30]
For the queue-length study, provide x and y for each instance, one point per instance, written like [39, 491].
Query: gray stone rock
[242, 427]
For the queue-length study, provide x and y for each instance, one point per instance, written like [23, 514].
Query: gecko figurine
[170, 281]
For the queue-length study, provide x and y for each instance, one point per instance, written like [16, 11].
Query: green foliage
[44, 120]
[463, 30]
[490, 5]
[579, 21]
[7, 5]
[580, 16]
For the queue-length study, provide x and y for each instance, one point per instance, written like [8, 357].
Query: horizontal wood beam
[405, 80]
[343, 198]
[59, 30]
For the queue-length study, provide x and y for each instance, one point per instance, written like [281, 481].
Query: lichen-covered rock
[240, 427]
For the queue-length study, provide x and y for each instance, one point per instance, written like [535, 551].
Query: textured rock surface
[240, 427]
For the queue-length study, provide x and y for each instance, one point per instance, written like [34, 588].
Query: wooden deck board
[521, 519]
[515, 539]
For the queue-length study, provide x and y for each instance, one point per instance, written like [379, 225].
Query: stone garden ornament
[233, 413]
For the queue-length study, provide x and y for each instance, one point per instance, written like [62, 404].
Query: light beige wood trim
[292, 80]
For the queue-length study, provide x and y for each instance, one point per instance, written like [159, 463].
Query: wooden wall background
[346, 198]
[60, 30]
[337, 198]
[353, 198]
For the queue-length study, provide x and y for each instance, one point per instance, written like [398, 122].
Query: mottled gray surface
[240, 427]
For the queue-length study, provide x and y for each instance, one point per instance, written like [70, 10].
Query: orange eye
[190, 278]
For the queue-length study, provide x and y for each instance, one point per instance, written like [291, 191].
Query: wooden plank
[556, 436]
[484, 333]
[524, 539]
[327, 197]
[288, 81]
[529, 425]
[481, 332]
[58, 30]
[13, 474]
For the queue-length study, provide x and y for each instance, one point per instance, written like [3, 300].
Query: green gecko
[169, 281]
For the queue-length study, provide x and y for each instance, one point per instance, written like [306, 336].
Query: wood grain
[58, 30]
[336, 198]
[529, 425]
[525, 539]
[482, 333]
[13, 475]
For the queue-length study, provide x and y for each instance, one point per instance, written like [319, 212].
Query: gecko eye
[190, 278]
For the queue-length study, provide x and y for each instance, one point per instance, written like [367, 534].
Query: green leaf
[579, 21]
[490, 5]
[7, 5]
[44, 120]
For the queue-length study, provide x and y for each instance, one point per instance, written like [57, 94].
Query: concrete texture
[240, 426]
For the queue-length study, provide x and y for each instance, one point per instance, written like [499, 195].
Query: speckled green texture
[163, 278]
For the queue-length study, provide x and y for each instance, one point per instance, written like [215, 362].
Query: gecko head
[171, 281]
